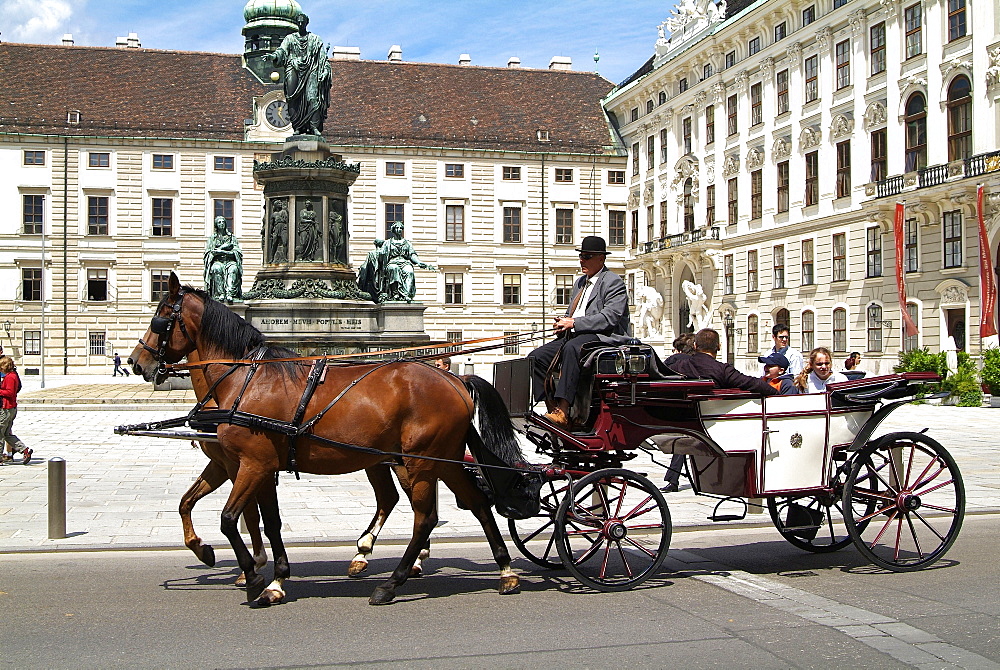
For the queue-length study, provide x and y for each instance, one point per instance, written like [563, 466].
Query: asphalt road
[731, 597]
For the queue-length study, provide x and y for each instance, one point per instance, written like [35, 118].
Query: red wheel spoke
[949, 510]
[893, 469]
[621, 552]
[884, 528]
[913, 534]
[594, 546]
[899, 532]
[909, 465]
[639, 510]
[621, 499]
[931, 490]
[639, 547]
[920, 480]
[645, 526]
[928, 480]
[877, 513]
[887, 485]
[603, 574]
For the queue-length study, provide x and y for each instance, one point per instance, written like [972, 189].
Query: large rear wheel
[535, 536]
[917, 501]
[613, 530]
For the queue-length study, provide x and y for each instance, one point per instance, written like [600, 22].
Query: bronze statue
[308, 78]
[308, 237]
[223, 264]
[387, 273]
[338, 237]
[279, 232]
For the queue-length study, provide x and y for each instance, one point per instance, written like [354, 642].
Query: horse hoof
[241, 581]
[208, 555]
[416, 571]
[255, 587]
[356, 568]
[381, 596]
[509, 584]
[270, 597]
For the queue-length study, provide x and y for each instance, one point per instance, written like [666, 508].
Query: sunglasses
[781, 337]
[587, 257]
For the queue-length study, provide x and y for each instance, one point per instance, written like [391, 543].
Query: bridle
[163, 326]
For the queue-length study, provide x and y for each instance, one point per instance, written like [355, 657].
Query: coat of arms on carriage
[795, 440]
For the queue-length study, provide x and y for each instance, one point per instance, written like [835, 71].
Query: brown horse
[407, 409]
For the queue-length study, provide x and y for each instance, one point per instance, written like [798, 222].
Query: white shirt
[817, 385]
[581, 304]
[795, 360]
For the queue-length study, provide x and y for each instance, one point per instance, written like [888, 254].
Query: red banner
[987, 280]
[909, 328]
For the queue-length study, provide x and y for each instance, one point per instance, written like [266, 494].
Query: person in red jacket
[9, 388]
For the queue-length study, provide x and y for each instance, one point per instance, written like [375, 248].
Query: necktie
[579, 303]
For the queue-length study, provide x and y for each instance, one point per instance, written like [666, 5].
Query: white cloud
[37, 20]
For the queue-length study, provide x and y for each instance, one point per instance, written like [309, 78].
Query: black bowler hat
[592, 244]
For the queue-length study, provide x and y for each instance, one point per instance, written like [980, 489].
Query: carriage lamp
[6, 327]
[728, 321]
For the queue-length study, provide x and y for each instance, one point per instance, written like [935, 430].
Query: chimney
[346, 53]
[513, 61]
[465, 59]
[121, 42]
[133, 41]
[561, 63]
[396, 53]
[67, 40]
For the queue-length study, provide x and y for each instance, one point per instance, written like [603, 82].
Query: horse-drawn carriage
[899, 497]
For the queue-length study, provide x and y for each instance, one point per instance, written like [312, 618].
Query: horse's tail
[495, 426]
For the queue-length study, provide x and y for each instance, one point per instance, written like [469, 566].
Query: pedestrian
[118, 367]
[443, 363]
[9, 388]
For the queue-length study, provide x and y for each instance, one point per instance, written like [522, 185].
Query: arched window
[959, 119]
[688, 206]
[840, 329]
[649, 106]
[911, 342]
[916, 132]
[783, 316]
[874, 327]
[663, 97]
[752, 345]
[808, 331]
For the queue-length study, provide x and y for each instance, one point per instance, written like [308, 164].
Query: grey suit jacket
[607, 308]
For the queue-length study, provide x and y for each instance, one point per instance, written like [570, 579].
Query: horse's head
[169, 337]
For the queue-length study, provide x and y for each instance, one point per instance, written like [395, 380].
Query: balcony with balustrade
[934, 175]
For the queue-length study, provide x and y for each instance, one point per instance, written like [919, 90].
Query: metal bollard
[57, 498]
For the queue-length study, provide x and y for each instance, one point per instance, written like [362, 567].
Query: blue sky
[491, 32]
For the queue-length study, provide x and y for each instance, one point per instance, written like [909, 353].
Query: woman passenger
[818, 372]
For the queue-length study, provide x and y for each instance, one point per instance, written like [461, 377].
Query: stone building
[768, 144]
[117, 160]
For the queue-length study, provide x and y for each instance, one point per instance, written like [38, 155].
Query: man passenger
[781, 346]
[703, 364]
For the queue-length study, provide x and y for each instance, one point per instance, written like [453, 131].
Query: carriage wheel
[816, 523]
[918, 499]
[535, 536]
[613, 530]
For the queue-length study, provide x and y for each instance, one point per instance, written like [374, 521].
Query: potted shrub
[963, 384]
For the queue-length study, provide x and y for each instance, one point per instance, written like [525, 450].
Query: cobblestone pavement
[123, 492]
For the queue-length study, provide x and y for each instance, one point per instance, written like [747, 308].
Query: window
[730, 59]
[734, 201]
[731, 109]
[616, 228]
[564, 289]
[812, 178]
[225, 163]
[34, 214]
[97, 285]
[874, 327]
[808, 330]
[783, 186]
[664, 143]
[225, 208]
[635, 229]
[781, 85]
[914, 26]
[158, 285]
[635, 114]
[916, 132]
[31, 284]
[707, 71]
[728, 286]
[844, 169]
[511, 224]
[163, 217]
[911, 254]
[873, 252]
[393, 213]
[97, 215]
[664, 206]
[752, 271]
[880, 155]
[650, 152]
[812, 78]
[840, 329]
[752, 331]
[753, 46]
[756, 104]
[688, 206]
[808, 269]
[710, 124]
[454, 170]
[843, 58]
[661, 98]
[33, 342]
[686, 134]
[454, 223]
[453, 288]
[682, 85]
[649, 106]
[564, 226]
[710, 205]
[756, 194]
[564, 175]
[839, 3]
[163, 161]
[780, 31]
[959, 119]
[33, 157]
[453, 336]
[98, 159]
[778, 263]
[649, 223]
[840, 257]
[635, 159]
[394, 169]
[952, 223]
[510, 345]
[614, 176]
[96, 344]
[808, 15]
[956, 19]
[910, 342]
[877, 45]
[513, 173]
[512, 289]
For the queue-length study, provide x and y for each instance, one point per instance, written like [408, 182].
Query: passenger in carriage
[702, 364]
[776, 374]
[779, 333]
[818, 372]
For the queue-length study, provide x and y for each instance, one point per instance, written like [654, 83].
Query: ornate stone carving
[841, 127]
[755, 158]
[953, 295]
[782, 148]
[809, 137]
[714, 257]
[794, 53]
[668, 115]
[891, 7]
[700, 97]
[270, 289]
[694, 13]
[289, 162]
[731, 166]
[874, 116]
[683, 169]
[647, 194]
[824, 38]
[687, 109]
[767, 67]
[912, 80]
[633, 199]
[741, 81]
[718, 92]
[993, 71]
[955, 63]
[857, 21]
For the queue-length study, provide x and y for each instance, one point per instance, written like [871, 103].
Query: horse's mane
[236, 337]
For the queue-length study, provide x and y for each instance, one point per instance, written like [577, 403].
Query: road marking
[892, 637]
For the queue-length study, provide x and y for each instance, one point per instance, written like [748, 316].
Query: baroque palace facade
[768, 144]
[117, 160]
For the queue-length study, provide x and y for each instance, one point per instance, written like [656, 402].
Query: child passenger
[776, 373]
[818, 372]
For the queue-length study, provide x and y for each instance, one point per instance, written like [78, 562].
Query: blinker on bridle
[163, 326]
